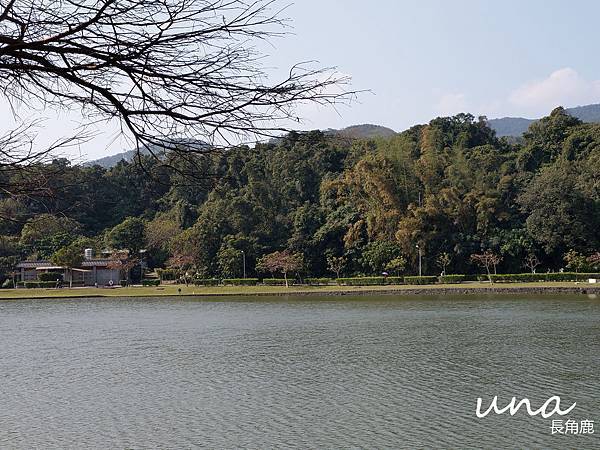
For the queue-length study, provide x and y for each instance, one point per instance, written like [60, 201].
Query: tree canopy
[342, 205]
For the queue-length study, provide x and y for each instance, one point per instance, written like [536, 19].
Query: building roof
[44, 265]
[34, 264]
[96, 262]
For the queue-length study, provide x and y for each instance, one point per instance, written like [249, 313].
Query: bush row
[530, 277]
[206, 282]
[36, 284]
[276, 281]
[318, 281]
[240, 281]
[420, 280]
[452, 279]
[361, 281]
[382, 281]
[356, 281]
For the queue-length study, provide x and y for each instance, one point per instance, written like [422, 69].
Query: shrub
[394, 280]
[39, 284]
[532, 277]
[518, 277]
[50, 276]
[8, 284]
[206, 282]
[20, 284]
[318, 281]
[474, 277]
[451, 279]
[361, 281]
[241, 281]
[275, 281]
[123, 283]
[420, 280]
[150, 282]
[570, 276]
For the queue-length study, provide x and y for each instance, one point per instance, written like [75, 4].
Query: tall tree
[181, 76]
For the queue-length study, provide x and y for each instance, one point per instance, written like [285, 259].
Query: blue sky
[431, 57]
[426, 58]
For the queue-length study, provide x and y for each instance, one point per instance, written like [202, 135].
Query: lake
[298, 372]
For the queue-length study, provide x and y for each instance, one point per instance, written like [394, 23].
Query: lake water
[337, 372]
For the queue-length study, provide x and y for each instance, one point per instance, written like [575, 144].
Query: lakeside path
[172, 290]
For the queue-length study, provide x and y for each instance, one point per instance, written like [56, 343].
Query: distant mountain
[516, 126]
[366, 131]
[110, 161]
[588, 113]
[510, 126]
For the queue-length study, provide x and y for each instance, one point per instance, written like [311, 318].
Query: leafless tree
[179, 75]
[121, 260]
[488, 260]
[531, 262]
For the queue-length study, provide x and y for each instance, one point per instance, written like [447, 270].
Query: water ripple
[294, 373]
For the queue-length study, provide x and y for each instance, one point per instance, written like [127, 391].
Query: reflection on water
[301, 372]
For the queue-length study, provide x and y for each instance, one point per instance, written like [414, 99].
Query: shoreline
[324, 291]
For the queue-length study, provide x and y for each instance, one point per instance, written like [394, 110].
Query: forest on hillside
[450, 187]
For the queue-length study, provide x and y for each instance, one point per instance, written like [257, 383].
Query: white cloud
[564, 87]
[450, 104]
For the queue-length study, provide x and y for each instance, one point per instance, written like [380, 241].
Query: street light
[419, 248]
[244, 262]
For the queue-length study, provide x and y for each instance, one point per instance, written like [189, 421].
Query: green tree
[47, 225]
[230, 259]
[377, 255]
[558, 213]
[396, 265]
[69, 257]
[129, 235]
[576, 261]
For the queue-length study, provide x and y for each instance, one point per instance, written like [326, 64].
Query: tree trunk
[286, 280]
[70, 278]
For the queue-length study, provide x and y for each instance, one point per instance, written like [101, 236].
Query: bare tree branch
[169, 70]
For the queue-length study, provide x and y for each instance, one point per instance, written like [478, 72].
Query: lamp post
[244, 262]
[420, 256]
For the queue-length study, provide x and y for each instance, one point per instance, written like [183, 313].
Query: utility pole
[244, 262]
[420, 257]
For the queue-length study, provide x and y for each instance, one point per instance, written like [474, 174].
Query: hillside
[516, 126]
[110, 161]
[366, 131]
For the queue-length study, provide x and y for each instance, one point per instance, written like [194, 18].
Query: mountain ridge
[363, 131]
[510, 127]
[516, 126]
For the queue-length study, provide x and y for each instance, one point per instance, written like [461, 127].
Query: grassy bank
[173, 290]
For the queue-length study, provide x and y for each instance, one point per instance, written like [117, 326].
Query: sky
[417, 60]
